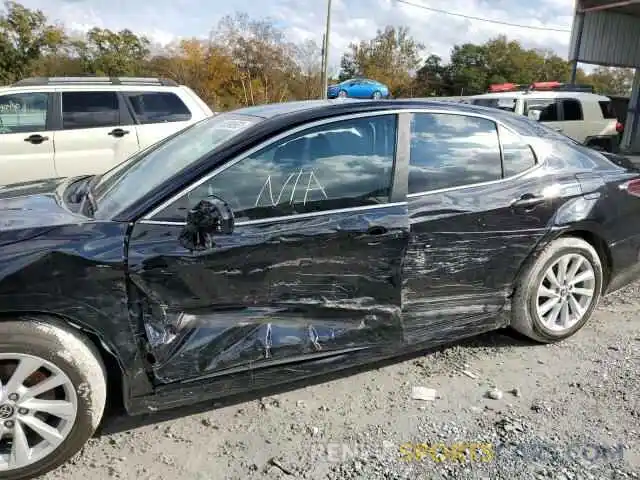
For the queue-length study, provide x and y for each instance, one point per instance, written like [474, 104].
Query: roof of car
[307, 110]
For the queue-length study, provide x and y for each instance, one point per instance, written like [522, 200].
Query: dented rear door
[312, 269]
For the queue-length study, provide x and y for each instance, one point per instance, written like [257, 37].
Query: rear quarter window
[606, 107]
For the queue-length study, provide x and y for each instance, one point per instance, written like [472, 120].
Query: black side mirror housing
[211, 216]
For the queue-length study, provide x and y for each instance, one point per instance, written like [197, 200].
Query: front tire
[558, 291]
[52, 396]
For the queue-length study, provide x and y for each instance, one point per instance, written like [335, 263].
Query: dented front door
[311, 270]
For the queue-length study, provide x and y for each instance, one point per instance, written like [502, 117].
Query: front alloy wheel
[38, 408]
[52, 395]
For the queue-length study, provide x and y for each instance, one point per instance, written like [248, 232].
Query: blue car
[358, 88]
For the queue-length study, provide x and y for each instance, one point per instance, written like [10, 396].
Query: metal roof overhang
[606, 32]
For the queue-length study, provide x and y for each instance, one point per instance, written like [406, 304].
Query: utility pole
[322, 65]
[325, 60]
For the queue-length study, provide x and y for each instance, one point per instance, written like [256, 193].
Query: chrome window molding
[295, 216]
[325, 121]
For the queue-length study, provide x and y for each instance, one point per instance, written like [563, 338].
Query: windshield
[123, 185]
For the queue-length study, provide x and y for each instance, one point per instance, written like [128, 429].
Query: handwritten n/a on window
[306, 183]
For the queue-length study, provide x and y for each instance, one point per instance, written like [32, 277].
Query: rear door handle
[118, 132]
[528, 200]
[36, 139]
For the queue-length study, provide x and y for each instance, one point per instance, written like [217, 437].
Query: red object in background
[503, 87]
[619, 127]
[544, 85]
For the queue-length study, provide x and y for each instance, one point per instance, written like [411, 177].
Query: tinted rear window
[607, 109]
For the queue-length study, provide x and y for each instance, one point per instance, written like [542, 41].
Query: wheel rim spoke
[546, 292]
[583, 277]
[553, 316]
[583, 292]
[47, 432]
[562, 269]
[565, 317]
[58, 408]
[25, 368]
[575, 306]
[20, 450]
[548, 305]
[575, 267]
[44, 386]
[551, 277]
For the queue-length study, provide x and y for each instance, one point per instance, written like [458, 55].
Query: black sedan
[273, 243]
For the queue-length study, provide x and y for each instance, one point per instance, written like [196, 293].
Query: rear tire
[76, 364]
[529, 302]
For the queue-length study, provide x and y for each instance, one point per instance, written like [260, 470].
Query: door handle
[528, 200]
[377, 230]
[36, 139]
[118, 132]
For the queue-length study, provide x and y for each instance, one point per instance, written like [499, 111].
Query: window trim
[490, 182]
[398, 158]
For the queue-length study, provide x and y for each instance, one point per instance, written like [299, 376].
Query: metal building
[607, 33]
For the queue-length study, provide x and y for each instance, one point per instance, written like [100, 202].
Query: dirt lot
[567, 411]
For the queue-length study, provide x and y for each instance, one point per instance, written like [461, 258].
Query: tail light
[619, 127]
[632, 187]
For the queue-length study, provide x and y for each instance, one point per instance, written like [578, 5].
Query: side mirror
[211, 216]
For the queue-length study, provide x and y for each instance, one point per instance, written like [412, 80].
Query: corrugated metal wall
[608, 38]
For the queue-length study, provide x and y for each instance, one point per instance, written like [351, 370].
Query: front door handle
[118, 132]
[36, 139]
[528, 200]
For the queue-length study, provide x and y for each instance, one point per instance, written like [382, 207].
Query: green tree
[25, 37]
[105, 52]
[392, 57]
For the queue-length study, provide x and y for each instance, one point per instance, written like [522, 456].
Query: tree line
[247, 61]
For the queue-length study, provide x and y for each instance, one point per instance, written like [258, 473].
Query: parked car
[586, 117]
[59, 127]
[358, 88]
[280, 242]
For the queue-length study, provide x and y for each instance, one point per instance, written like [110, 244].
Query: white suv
[60, 127]
[586, 117]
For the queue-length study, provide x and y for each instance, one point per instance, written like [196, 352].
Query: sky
[163, 21]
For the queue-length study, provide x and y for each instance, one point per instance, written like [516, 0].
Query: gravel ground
[522, 411]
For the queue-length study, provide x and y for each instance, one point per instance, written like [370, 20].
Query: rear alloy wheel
[342, 94]
[558, 291]
[377, 95]
[52, 396]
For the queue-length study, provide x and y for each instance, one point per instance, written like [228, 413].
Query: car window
[89, 110]
[607, 109]
[451, 151]
[548, 109]
[345, 164]
[158, 107]
[572, 110]
[23, 112]
[517, 155]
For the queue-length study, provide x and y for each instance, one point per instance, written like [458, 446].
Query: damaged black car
[280, 242]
